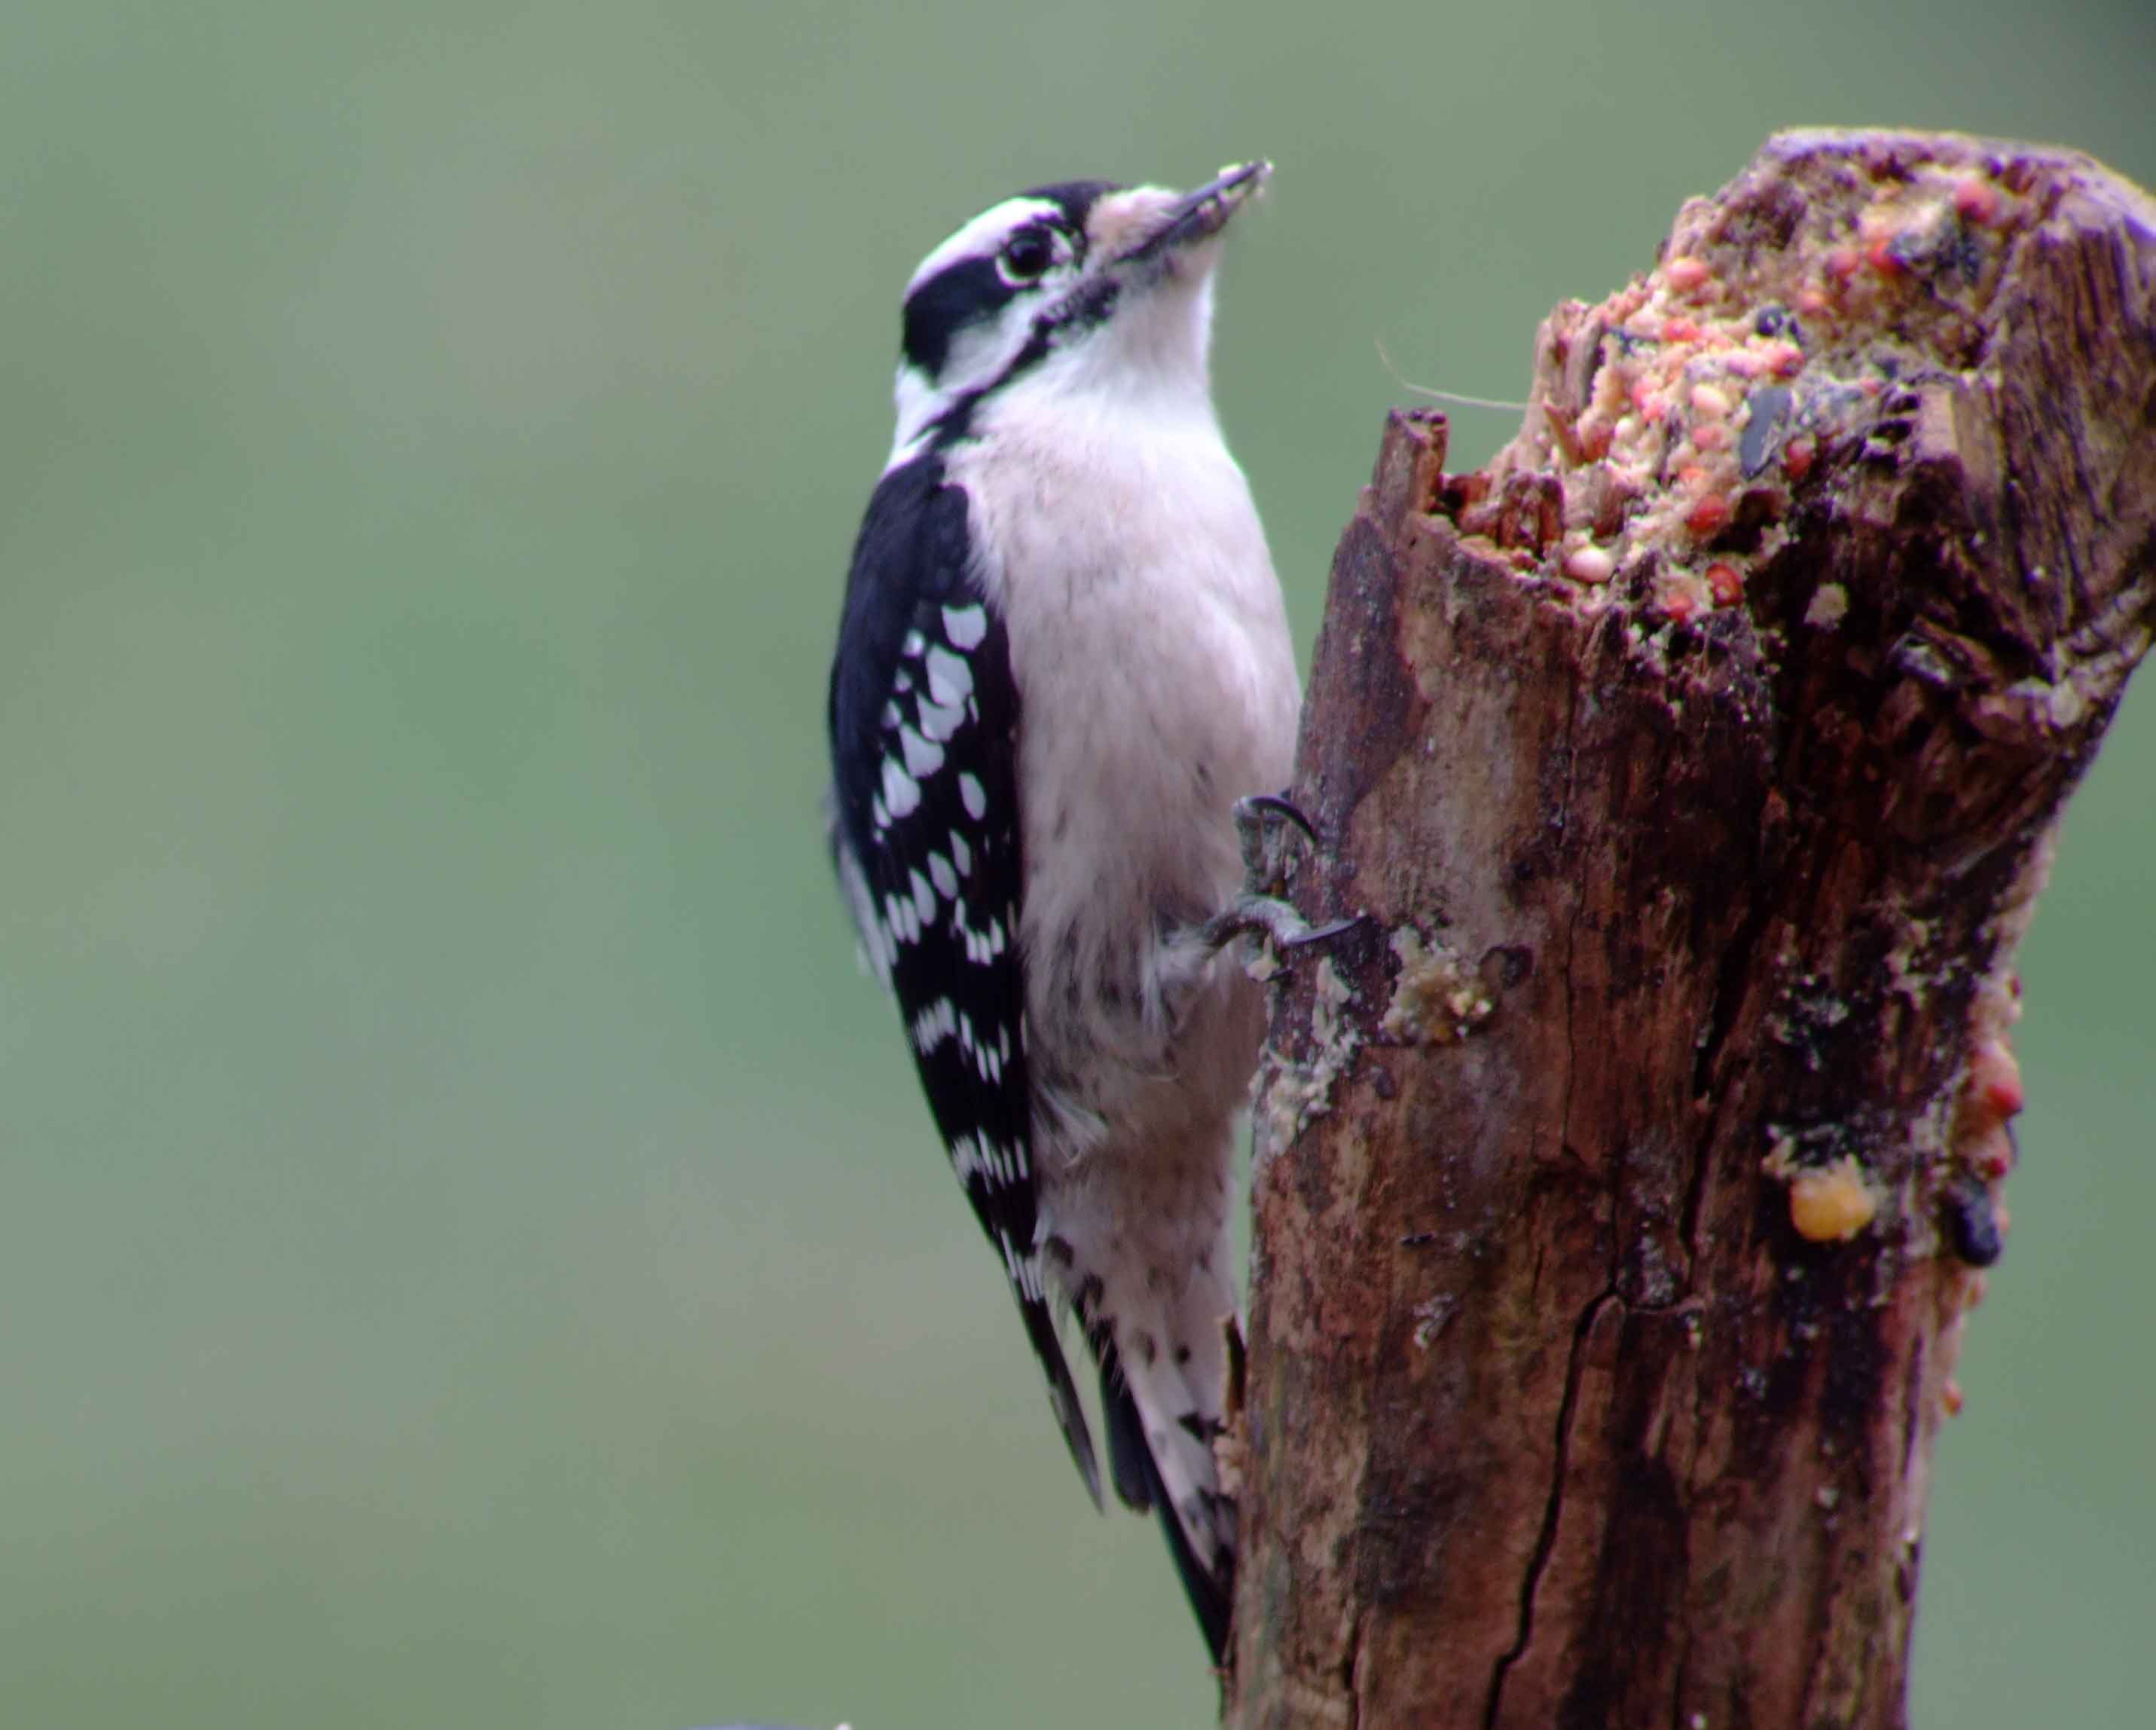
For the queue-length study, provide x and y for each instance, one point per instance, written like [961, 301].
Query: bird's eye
[1027, 255]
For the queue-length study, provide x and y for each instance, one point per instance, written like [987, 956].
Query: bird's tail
[1162, 1386]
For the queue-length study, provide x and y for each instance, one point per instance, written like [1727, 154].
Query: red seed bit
[1995, 1081]
[1977, 201]
[1883, 258]
[1710, 514]
[1950, 1397]
[1797, 455]
[1680, 329]
[1811, 303]
[1686, 275]
[1842, 263]
[1725, 582]
[1988, 1153]
[1784, 360]
[1679, 604]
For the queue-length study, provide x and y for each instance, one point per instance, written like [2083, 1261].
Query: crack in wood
[1546, 1539]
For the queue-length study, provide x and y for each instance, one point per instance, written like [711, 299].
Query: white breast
[1155, 679]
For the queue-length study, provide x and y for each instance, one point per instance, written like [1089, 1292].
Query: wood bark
[1622, 1181]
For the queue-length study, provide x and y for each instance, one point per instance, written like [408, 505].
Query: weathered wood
[1620, 1183]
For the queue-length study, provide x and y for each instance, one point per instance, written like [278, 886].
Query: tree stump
[1622, 1182]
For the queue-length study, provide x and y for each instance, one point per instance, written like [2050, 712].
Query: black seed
[1973, 1221]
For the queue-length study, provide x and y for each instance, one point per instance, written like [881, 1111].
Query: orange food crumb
[1833, 1205]
[1679, 604]
[1950, 1397]
[1680, 329]
[1725, 582]
[1812, 303]
[1842, 263]
[1883, 258]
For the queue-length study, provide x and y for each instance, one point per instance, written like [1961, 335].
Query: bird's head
[1079, 286]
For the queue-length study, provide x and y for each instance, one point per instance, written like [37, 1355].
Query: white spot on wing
[940, 874]
[933, 1025]
[966, 626]
[950, 680]
[940, 721]
[901, 792]
[921, 757]
[924, 900]
[970, 791]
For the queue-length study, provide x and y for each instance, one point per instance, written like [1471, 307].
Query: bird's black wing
[924, 752]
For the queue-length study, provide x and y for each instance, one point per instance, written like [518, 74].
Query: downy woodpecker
[1062, 658]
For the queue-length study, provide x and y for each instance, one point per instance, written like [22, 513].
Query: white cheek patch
[977, 356]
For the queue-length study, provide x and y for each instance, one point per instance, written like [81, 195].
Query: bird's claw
[1262, 909]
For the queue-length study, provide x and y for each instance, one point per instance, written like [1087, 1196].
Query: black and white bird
[1063, 657]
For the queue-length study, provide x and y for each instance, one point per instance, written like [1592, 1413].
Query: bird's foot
[1263, 824]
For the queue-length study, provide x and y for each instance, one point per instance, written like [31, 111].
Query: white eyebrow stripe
[980, 237]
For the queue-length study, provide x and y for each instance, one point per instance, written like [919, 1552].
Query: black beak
[1202, 213]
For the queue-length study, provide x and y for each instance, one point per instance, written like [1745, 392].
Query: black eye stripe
[974, 290]
[936, 310]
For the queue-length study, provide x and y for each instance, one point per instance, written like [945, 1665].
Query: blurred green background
[471, 1252]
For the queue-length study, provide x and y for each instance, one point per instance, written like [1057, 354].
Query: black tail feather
[1138, 1480]
[1130, 1461]
[1062, 1397]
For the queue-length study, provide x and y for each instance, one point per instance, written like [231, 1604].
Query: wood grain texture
[1696, 765]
